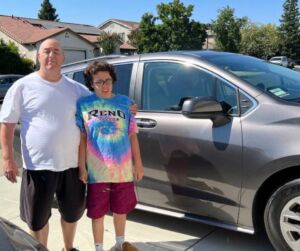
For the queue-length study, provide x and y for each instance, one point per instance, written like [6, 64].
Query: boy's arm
[82, 158]
[136, 154]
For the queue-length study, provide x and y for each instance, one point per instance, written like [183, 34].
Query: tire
[282, 217]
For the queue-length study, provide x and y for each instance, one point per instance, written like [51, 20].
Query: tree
[109, 42]
[172, 29]
[146, 37]
[227, 29]
[289, 29]
[11, 62]
[47, 12]
[261, 41]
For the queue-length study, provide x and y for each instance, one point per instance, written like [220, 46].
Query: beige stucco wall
[26, 51]
[71, 41]
[68, 40]
[113, 27]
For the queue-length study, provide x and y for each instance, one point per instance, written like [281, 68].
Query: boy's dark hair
[95, 67]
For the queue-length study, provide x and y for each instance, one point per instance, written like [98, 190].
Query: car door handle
[145, 123]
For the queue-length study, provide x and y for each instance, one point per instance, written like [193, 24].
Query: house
[78, 41]
[210, 42]
[123, 29]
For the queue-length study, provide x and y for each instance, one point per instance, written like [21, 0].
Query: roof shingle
[22, 31]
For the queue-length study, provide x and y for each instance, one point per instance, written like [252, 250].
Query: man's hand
[11, 170]
[133, 108]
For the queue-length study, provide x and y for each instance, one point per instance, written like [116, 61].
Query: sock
[99, 247]
[119, 241]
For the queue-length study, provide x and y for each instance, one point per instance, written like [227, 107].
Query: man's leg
[68, 230]
[37, 190]
[71, 207]
[41, 235]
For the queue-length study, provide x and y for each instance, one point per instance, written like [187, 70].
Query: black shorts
[37, 194]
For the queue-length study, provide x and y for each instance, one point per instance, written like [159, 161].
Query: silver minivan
[219, 136]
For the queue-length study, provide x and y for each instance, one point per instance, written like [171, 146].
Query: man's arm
[138, 165]
[10, 166]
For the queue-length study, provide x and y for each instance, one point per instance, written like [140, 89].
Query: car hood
[13, 238]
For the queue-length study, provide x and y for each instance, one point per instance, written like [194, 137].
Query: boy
[108, 144]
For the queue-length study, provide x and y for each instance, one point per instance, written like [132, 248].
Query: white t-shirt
[46, 111]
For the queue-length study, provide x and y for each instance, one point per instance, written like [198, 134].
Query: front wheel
[282, 217]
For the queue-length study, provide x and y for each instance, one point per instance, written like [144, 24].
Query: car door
[190, 166]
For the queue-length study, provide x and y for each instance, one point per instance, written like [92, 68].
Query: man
[45, 104]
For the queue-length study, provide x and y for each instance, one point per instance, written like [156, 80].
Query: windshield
[275, 80]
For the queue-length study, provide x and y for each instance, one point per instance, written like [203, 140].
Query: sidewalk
[148, 232]
[145, 237]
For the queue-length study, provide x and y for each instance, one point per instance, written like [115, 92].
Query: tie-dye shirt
[108, 124]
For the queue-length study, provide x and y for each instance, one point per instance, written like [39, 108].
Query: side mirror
[205, 108]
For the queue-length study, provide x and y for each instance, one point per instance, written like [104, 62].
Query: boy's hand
[138, 172]
[83, 174]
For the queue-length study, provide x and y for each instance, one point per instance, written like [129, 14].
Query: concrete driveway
[149, 232]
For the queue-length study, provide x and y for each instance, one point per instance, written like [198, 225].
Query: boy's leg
[98, 229]
[97, 206]
[123, 201]
[119, 223]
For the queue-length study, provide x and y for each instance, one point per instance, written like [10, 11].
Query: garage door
[74, 55]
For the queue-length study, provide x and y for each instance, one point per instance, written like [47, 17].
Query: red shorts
[119, 198]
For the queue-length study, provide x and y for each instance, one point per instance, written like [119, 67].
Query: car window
[78, 76]
[6, 80]
[3, 81]
[166, 85]
[122, 84]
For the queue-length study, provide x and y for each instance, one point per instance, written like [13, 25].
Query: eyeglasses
[100, 82]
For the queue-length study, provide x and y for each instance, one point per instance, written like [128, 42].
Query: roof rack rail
[96, 58]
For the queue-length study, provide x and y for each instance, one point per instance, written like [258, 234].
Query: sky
[95, 12]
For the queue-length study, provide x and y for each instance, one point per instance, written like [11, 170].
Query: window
[122, 36]
[121, 86]
[123, 78]
[167, 85]
[3, 81]
[78, 76]
[8, 80]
